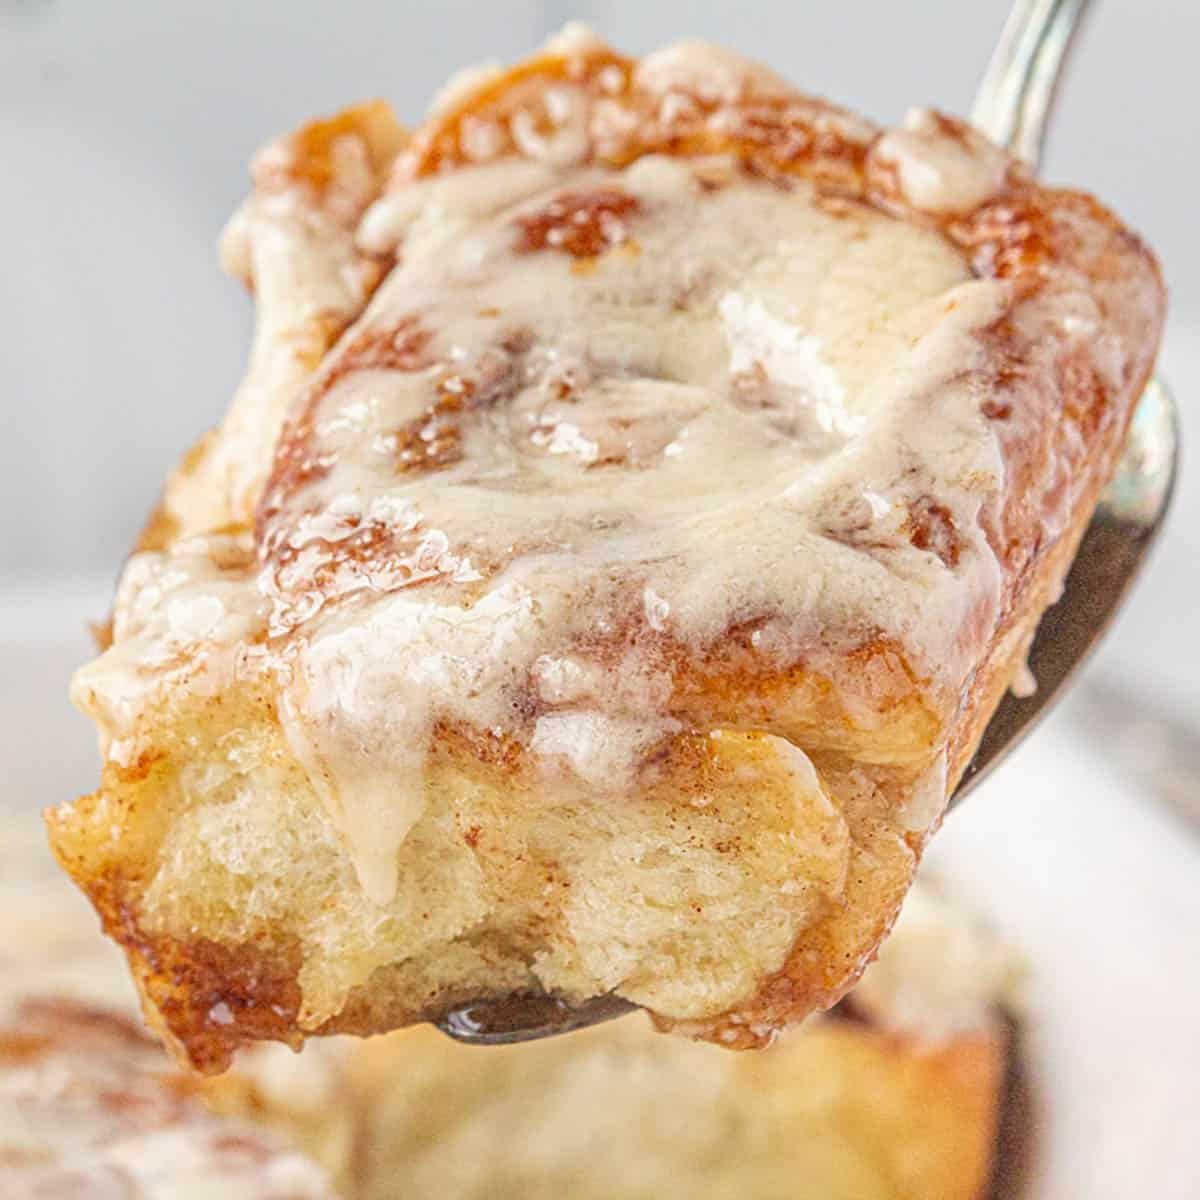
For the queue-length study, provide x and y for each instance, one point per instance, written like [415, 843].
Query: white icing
[793, 365]
[358, 715]
[461, 197]
[880, 506]
[563, 680]
[708, 71]
[179, 620]
[303, 267]
[939, 173]
[1024, 683]
[926, 801]
[568, 143]
[102, 1121]
[602, 751]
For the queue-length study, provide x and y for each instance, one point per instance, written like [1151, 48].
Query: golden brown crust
[839, 1110]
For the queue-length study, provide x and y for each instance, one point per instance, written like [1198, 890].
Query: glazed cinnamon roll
[648, 480]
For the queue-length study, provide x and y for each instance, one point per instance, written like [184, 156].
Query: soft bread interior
[680, 894]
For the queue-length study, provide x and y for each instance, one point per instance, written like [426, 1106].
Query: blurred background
[126, 127]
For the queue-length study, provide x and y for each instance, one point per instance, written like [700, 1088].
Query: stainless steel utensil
[1012, 107]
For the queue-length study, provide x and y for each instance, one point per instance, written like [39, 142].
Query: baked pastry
[896, 1095]
[632, 578]
[90, 1107]
[899, 1098]
[836, 1111]
[86, 1091]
